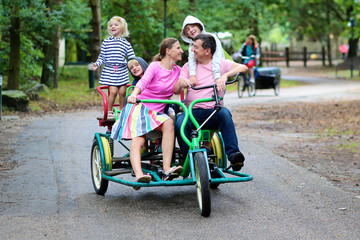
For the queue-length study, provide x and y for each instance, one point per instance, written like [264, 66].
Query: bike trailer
[267, 77]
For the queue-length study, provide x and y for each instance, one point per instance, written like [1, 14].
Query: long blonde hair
[123, 26]
[167, 43]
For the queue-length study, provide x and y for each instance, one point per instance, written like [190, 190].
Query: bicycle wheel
[100, 184]
[202, 184]
[277, 87]
[251, 89]
[241, 86]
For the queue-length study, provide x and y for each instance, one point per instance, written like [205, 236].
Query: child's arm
[101, 59]
[192, 66]
[216, 61]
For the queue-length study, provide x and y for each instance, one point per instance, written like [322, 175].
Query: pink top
[158, 83]
[205, 77]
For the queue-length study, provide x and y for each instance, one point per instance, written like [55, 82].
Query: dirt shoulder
[322, 137]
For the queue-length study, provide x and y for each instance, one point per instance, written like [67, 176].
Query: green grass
[73, 91]
[330, 132]
[351, 147]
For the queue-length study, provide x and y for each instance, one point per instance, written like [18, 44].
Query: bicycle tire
[277, 87]
[202, 184]
[241, 86]
[100, 184]
[251, 89]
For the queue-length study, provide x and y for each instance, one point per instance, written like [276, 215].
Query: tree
[14, 69]
[95, 42]
[50, 71]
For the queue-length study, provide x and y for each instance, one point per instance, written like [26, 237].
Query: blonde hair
[167, 43]
[123, 26]
[132, 62]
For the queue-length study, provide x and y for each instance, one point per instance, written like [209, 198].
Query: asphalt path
[50, 194]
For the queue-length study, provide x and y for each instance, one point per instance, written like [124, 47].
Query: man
[204, 47]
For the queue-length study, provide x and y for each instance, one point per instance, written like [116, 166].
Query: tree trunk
[14, 68]
[328, 42]
[328, 19]
[50, 71]
[95, 42]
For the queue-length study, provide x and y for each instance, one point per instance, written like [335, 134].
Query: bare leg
[135, 155]
[122, 93]
[167, 144]
[251, 72]
[113, 91]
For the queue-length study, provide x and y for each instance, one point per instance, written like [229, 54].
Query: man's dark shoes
[237, 161]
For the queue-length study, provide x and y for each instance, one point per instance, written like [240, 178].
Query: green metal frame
[188, 166]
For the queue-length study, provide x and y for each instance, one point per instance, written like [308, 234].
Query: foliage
[270, 20]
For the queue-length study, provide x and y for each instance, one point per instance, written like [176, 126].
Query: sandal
[172, 173]
[143, 179]
[110, 115]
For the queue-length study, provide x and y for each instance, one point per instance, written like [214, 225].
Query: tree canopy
[35, 24]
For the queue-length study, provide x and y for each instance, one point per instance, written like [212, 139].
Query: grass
[73, 92]
[346, 145]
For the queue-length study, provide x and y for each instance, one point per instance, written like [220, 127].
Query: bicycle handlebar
[247, 57]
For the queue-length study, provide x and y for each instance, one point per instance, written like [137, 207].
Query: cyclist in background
[248, 49]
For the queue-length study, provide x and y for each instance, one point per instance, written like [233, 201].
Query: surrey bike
[201, 169]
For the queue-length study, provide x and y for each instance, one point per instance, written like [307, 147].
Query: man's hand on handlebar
[184, 82]
[221, 83]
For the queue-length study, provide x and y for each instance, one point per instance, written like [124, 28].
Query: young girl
[113, 52]
[137, 66]
[192, 27]
[136, 120]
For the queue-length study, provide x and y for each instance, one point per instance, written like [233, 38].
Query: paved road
[50, 194]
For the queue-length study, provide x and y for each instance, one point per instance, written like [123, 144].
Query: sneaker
[252, 80]
[237, 161]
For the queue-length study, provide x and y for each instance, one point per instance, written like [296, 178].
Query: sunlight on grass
[73, 91]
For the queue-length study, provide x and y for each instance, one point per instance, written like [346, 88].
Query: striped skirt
[136, 120]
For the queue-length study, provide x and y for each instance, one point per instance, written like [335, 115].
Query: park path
[50, 194]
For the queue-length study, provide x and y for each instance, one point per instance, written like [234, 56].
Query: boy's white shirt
[217, 56]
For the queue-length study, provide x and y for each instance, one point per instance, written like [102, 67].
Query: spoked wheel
[277, 87]
[251, 89]
[202, 184]
[100, 184]
[219, 159]
[241, 86]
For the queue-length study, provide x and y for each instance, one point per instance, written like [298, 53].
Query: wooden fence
[304, 56]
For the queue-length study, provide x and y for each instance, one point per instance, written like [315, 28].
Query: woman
[136, 120]
[250, 48]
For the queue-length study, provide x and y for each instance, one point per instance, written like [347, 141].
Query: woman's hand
[132, 99]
